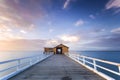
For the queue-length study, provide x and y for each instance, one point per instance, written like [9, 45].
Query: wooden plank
[57, 67]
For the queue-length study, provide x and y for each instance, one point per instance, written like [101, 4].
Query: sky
[79, 24]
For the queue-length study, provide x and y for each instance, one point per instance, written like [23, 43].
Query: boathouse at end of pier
[59, 49]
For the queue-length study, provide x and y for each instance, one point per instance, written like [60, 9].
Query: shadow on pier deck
[57, 67]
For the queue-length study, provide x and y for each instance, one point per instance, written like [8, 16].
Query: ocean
[8, 55]
[113, 56]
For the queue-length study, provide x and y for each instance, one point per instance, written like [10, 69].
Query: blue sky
[79, 24]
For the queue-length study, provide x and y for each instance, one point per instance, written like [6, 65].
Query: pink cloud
[113, 4]
[20, 14]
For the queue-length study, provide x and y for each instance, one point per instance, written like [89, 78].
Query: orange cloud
[21, 44]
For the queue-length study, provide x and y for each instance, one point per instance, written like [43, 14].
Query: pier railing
[87, 61]
[10, 68]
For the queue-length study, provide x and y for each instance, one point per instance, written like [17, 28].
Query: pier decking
[57, 67]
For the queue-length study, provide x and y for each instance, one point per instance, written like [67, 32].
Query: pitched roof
[62, 45]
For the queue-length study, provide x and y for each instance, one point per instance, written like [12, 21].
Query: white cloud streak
[69, 38]
[52, 43]
[51, 30]
[23, 31]
[116, 30]
[67, 2]
[113, 4]
[92, 16]
[79, 23]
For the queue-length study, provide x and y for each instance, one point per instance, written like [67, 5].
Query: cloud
[69, 38]
[23, 31]
[52, 42]
[113, 4]
[19, 15]
[9, 36]
[51, 30]
[67, 2]
[116, 30]
[92, 16]
[10, 14]
[79, 23]
[98, 31]
[22, 44]
[7, 33]
[28, 44]
[50, 23]
[100, 40]
[109, 41]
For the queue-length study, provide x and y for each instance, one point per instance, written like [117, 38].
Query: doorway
[59, 50]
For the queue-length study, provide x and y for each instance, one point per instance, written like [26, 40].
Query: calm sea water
[113, 56]
[8, 55]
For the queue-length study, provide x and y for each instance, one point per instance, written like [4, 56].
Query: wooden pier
[57, 67]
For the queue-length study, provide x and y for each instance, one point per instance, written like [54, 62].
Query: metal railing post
[83, 59]
[37, 58]
[30, 61]
[94, 64]
[18, 64]
[79, 58]
[119, 68]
